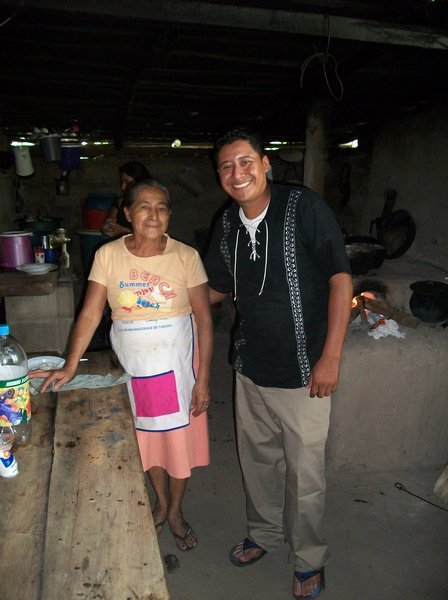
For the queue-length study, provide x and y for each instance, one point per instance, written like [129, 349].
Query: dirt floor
[385, 542]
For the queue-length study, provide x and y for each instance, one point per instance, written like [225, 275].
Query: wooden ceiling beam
[242, 17]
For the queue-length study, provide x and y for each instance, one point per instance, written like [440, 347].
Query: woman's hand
[114, 229]
[200, 398]
[55, 379]
[108, 226]
[111, 228]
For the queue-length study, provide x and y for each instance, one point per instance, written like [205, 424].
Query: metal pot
[429, 301]
[364, 256]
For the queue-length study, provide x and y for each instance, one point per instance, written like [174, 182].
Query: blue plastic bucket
[100, 201]
[70, 157]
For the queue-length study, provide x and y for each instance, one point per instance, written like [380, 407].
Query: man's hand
[324, 377]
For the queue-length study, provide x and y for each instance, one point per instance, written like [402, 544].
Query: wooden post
[316, 145]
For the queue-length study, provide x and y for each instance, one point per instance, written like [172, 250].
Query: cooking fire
[368, 302]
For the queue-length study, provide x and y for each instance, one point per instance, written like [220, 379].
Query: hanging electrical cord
[7, 20]
[325, 57]
[400, 486]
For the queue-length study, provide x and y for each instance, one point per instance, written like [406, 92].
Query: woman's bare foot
[159, 518]
[184, 536]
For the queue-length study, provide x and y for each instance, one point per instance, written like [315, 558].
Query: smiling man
[280, 251]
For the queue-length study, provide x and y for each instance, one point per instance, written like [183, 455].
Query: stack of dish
[37, 268]
[48, 363]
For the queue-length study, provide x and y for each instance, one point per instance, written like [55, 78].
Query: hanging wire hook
[324, 58]
[400, 486]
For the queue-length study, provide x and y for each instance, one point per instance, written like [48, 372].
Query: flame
[370, 295]
[356, 302]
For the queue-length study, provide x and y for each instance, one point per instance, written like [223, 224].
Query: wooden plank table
[79, 522]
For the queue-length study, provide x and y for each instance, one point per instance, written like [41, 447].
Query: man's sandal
[302, 577]
[240, 549]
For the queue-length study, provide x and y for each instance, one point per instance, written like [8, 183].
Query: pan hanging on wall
[396, 232]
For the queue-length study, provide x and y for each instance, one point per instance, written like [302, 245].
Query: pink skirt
[178, 450]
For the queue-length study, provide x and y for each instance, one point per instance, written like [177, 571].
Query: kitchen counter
[39, 309]
[17, 283]
[77, 520]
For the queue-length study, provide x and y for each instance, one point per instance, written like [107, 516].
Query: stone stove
[390, 410]
[393, 279]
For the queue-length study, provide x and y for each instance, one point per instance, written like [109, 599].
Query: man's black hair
[239, 133]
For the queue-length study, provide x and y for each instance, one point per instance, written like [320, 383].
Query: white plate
[45, 362]
[37, 268]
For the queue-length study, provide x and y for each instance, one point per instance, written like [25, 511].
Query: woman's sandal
[159, 527]
[302, 577]
[183, 538]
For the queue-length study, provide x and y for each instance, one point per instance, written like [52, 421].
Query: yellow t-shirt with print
[147, 288]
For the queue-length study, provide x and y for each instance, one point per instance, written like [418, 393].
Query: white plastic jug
[24, 166]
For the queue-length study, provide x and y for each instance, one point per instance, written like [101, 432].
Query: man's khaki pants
[281, 443]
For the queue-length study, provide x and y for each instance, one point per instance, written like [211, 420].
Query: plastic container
[52, 255]
[70, 157]
[24, 166]
[39, 255]
[93, 218]
[16, 248]
[96, 207]
[15, 401]
[100, 201]
[43, 227]
[51, 147]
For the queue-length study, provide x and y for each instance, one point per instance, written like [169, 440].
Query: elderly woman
[116, 222]
[157, 290]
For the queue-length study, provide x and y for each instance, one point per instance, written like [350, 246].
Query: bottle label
[8, 465]
[15, 401]
[39, 255]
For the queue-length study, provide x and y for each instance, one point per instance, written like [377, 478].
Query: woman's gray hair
[152, 182]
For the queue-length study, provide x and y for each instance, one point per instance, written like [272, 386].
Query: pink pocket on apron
[155, 396]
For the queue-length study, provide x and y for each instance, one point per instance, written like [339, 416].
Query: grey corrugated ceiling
[151, 71]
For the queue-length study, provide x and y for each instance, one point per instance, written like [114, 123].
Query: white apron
[158, 354]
